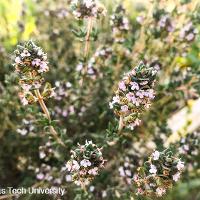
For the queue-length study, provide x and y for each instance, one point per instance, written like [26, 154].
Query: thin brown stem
[42, 104]
[87, 38]
[121, 124]
[87, 47]
[46, 111]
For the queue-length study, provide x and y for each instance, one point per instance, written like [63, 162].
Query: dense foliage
[89, 97]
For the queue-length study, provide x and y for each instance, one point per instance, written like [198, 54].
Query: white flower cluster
[158, 174]
[120, 24]
[46, 151]
[86, 161]
[49, 174]
[190, 144]
[62, 90]
[128, 168]
[166, 23]
[30, 64]
[26, 128]
[62, 13]
[134, 94]
[30, 57]
[189, 149]
[188, 32]
[87, 8]
[96, 62]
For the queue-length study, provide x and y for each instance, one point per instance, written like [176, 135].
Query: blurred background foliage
[84, 113]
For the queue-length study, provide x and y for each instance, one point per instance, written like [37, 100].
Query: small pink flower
[153, 169]
[85, 163]
[122, 86]
[180, 165]
[137, 102]
[143, 82]
[79, 67]
[75, 165]
[24, 101]
[186, 147]
[190, 36]
[43, 67]
[128, 172]
[135, 178]
[25, 53]
[18, 60]
[93, 171]
[140, 19]
[137, 122]
[156, 155]
[40, 52]
[69, 166]
[140, 94]
[91, 71]
[40, 176]
[121, 172]
[134, 86]
[131, 97]
[160, 191]
[64, 113]
[36, 62]
[111, 105]
[116, 99]
[71, 110]
[26, 87]
[68, 178]
[176, 176]
[22, 131]
[124, 108]
[37, 85]
[151, 94]
[88, 3]
[139, 191]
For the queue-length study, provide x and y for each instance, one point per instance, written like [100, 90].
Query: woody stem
[121, 124]
[87, 46]
[46, 111]
[42, 104]
[87, 38]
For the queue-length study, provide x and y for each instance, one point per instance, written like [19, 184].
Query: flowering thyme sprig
[134, 95]
[87, 8]
[30, 64]
[158, 174]
[85, 163]
[120, 24]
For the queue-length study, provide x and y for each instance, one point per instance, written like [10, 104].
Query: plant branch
[87, 38]
[46, 111]
[87, 46]
[121, 124]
